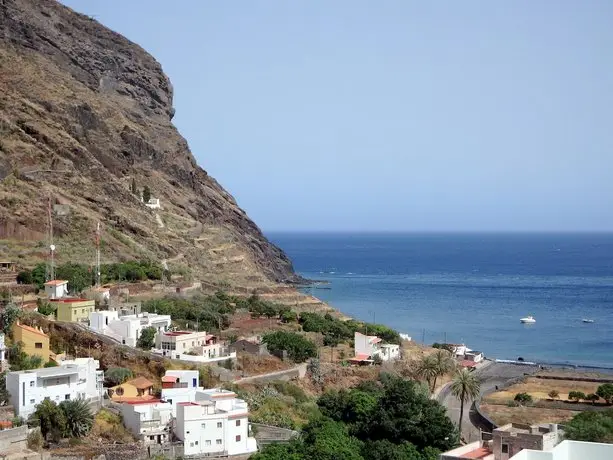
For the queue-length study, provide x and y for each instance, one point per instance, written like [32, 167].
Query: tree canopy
[146, 339]
[392, 419]
[298, 347]
[591, 427]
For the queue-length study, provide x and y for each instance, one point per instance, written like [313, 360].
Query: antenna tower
[51, 265]
[98, 255]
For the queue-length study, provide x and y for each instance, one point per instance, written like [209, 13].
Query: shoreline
[544, 364]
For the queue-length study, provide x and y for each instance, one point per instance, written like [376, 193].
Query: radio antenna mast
[51, 265]
[98, 255]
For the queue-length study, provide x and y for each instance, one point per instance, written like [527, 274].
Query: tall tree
[428, 370]
[146, 339]
[466, 387]
[443, 364]
[146, 194]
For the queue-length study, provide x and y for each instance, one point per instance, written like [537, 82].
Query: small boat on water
[585, 320]
[528, 320]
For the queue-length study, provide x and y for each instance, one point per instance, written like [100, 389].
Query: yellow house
[35, 341]
[73, 310]
[133, 390]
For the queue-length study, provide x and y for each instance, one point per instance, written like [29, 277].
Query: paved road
[491, 374]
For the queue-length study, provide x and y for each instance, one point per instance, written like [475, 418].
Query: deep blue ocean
[472, 288]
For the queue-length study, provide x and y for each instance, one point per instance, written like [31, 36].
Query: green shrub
[523, 398]
[298, 347]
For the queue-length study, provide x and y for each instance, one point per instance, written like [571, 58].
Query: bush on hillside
[298, 347]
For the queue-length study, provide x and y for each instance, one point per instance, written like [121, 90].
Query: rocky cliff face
[84, 114]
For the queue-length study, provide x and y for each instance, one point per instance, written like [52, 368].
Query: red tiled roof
[360, 357]
[31, 329]
[136, 401]
[467, 363]
[140, 382]
[476, 454]
[69, 300]
[169, 378]
[175, 333]
[56, 282]
[187, 404]
[6, 424]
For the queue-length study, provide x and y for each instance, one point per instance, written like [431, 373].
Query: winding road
[491, 375]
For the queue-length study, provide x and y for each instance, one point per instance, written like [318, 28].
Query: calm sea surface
[472, 288]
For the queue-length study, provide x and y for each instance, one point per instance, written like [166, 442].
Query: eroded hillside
[84, 113]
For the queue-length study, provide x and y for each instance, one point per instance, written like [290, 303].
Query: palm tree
[465, 386]
[444, 364]
[428, 370]
[79, 418]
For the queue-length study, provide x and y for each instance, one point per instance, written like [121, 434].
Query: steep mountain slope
[83, 113]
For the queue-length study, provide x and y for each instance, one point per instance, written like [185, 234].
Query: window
[238, 423]
[194, 381]
[505, 448]
[207, 442]
[218, 442]
[32, 401]
[57, 397]
[151, 438]
[238, 438]
[38, 345]
[191, 444]
[32, 383]
[66, 397]
[169, 400]
[219, 424]
[196, 443]
[203, 426]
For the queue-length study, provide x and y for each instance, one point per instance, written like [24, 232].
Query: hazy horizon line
[446, 232]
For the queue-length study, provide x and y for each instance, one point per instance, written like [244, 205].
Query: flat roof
[46, 372]
[481, 452]
[70, 300]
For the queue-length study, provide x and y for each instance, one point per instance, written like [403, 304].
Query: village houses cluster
[207, 421]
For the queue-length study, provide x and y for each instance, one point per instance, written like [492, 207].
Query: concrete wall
[14, 438]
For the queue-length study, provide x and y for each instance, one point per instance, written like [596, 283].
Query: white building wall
[29, 388]
[56, 291]
[362, 346]
[99, 320]
[570, 450]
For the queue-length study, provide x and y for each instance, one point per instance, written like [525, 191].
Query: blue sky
[392, 115]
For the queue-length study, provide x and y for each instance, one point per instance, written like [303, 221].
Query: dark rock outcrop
[84, 112]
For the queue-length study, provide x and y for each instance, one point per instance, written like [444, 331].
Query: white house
[73, 379]
[369, 346]
[192, 346]
[474, 356]
[56, 289]
[180, 386]
[216, 423]
[569, 450]
[153, 203]
[148, 420]
[126, 329]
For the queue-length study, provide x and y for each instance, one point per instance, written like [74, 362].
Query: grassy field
[503, 414]
[540, 388]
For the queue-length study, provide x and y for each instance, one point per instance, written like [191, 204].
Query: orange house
[35, 341]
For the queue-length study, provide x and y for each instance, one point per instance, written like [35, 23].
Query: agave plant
[79, 417]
